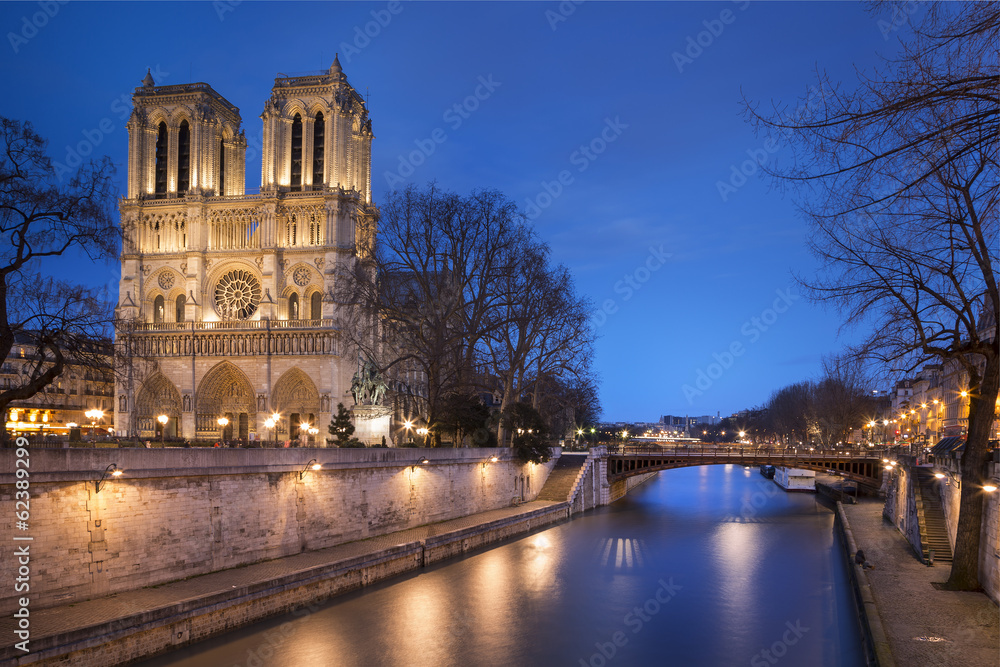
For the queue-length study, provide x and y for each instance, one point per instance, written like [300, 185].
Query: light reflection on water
[742, 558]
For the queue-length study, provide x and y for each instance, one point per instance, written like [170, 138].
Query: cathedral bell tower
[228, 296]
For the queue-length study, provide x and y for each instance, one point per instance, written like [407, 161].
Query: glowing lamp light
[989, 488]
[939, 475]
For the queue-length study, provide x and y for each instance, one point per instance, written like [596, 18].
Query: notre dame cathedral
[227, 293]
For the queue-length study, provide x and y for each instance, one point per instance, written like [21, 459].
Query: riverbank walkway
[98, 612]
[926, 626]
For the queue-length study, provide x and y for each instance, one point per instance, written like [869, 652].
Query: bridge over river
[863, 466]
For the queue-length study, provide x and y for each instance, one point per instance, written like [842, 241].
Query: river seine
[712, 565]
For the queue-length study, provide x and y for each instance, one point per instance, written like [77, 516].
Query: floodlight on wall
[422, 461]
[313, 464]
[112, 470]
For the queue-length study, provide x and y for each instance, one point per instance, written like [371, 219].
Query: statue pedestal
[371, 423]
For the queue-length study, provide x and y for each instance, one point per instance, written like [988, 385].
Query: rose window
[166, 280]
[301, 276]
[237, 295]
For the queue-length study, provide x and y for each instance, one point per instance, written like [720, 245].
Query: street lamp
[269, 423]
[94, 416]
[408, 425]
[304, 427]
[222, 428]
[163, 427]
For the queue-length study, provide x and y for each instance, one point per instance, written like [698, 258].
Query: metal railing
[712, 451]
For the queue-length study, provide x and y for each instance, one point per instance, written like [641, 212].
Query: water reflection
[701, 566]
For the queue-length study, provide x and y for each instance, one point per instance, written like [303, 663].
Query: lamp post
[304, 427]
[269, 423]
[222, 428]
[408, 425]
[163, 427]
[94, 416]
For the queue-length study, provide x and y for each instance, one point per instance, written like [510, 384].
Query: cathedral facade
[225, 299]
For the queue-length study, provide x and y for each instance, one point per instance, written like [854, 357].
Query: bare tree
[424, 300]
[841, 399]
[901, 183]
[42, 219]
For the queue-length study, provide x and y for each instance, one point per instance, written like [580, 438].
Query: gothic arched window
[296, 182]
[293, 307]
[158, 309]
[316, 306]
[319, 137]
[183, 158]
[160, 184]
[181, 301]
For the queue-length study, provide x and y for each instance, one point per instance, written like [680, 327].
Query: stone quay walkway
[95, 612]
[926, 626]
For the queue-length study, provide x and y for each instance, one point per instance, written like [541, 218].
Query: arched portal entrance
[158, 396]
[296, 399]
[225, 392]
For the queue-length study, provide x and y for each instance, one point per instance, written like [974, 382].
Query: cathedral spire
[148, 80]
[335, 68]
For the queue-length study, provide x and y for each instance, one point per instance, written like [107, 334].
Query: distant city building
[62, 404]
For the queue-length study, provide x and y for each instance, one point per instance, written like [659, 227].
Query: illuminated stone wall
[177, 513]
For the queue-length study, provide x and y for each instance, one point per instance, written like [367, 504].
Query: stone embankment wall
[989, 544]
[901, 510]
[177, 513]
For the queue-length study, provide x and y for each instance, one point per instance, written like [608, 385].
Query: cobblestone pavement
[55, 620]
[925, 626]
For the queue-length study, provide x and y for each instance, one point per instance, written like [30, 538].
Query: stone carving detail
[324, 403]
[301, 276]
[259, 260]
[261, 402]
[184, 268]
[319, 261]
[187, 403]
[146, 268]
[166, 280]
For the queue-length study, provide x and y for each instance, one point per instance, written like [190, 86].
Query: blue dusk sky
[617, 127]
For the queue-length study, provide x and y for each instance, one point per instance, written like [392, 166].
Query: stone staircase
[933, 529]
[564, 473]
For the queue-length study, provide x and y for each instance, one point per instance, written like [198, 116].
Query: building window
[314, 231]
[160, 187]
[316, 306]
[222, 168]
[319, 137]
[183, 158]
[293, 307]
[296, 183]
[181, 300]
[158, 309]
